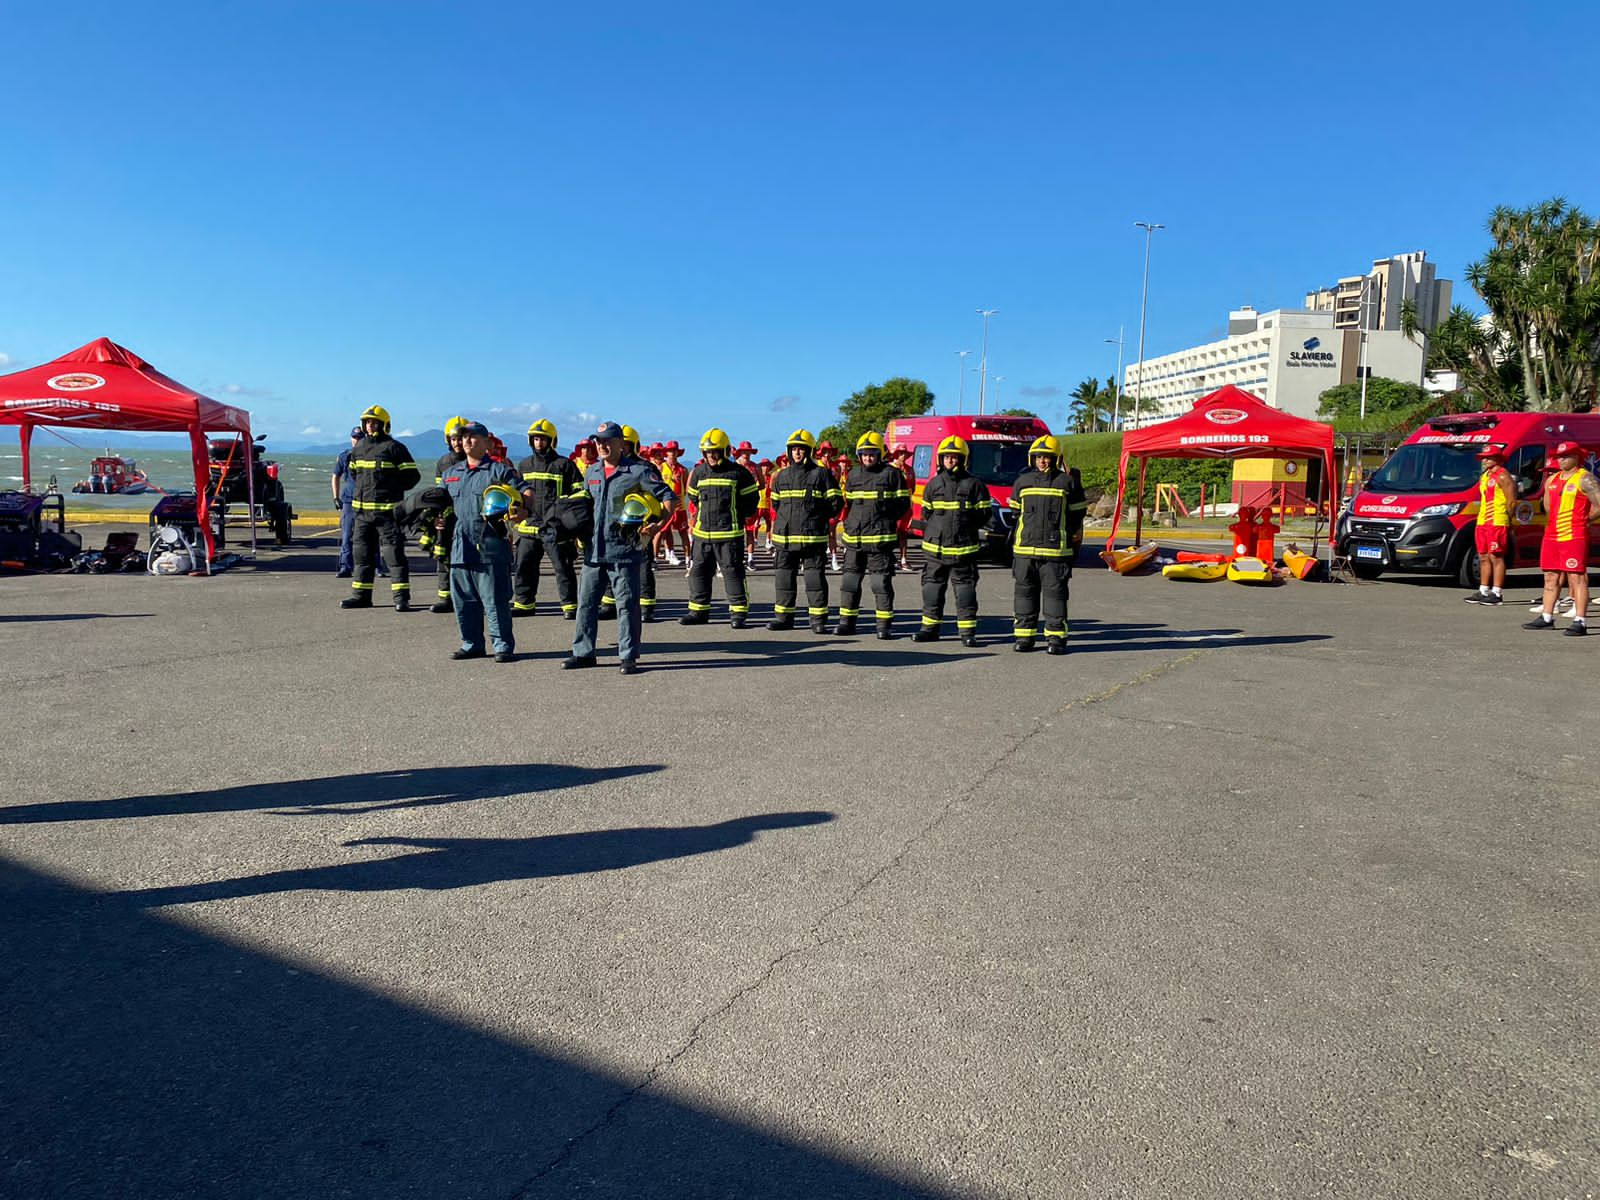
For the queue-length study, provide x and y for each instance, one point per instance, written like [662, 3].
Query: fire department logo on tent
[1226, 416]
[77, 381]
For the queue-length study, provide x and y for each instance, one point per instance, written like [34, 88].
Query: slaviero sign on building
[1313, 354]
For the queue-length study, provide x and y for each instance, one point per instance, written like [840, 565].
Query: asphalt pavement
[1257, 892]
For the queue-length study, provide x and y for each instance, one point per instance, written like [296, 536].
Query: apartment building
[1373, 300]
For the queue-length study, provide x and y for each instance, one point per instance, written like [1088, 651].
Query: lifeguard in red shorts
[1571, 501]
[675, 477]
[1496, 494]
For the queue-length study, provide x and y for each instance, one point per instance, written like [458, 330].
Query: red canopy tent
[104, 386]
[1227, 423]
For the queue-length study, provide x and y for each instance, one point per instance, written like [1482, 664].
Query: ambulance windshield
[998, 463]
[1434, 467]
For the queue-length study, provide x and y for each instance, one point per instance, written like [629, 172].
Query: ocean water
[305, 476]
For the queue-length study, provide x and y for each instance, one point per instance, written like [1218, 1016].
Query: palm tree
[1085, 407]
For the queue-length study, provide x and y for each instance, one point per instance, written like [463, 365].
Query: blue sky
[734, 213]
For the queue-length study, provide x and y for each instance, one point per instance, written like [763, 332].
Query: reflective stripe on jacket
[724, 496]
[877, 497]
[546, 478]
[805, 497]
[955, 509]
[1050, 506]
[381, 473]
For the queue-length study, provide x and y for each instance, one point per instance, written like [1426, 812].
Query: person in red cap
[1571, 501]
[677, 525]
[900, 457]
[1496, 495]
[744, 455]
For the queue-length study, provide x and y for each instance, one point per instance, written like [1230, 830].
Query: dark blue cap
[356, 432]
[608, 429]
[475, 428]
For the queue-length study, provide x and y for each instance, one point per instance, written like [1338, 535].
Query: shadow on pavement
[20, 618]
[443, 864]
[345, 794]
[1178, 639]
[146, 1059]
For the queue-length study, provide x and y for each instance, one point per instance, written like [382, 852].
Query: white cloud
[5, 360]
[529, 411]
[406, 433]
[783, 402]
[239, 389]
[1041, 393]
[310, 429]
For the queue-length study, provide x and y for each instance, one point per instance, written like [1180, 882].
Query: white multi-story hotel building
[1287, 357]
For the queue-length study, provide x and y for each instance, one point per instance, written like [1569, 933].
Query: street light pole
[1144, 296]
[1362, 368]
[961, 360]
[998, 380]
[1116, 403]
[983, 361]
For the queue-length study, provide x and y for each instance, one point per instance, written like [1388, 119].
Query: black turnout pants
[369, 531]
[791, 560]
[877, 564]
[937, 574]
[441, 556]
[704, 560]
[531, 551]
[1049, 577]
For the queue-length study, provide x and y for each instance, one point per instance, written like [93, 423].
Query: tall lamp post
[1362, 369]
[1149, 228]
[961, 360]
[1116, 403]
[998, 380]
[983, 360]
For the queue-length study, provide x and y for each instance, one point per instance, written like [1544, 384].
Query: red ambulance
[999, 453]
[1419, 510]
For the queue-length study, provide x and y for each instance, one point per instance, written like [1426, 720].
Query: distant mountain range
[425, 446]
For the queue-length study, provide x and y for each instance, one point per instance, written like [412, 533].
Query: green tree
[875, 405]
[1090, 404]
[1541, 282]
[1481, 355]
[1383, 396]
[1017, 412]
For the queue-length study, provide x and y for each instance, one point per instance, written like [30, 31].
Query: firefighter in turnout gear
[955, 510]
[436, 541]
[381, 472]
[547, 477]
[876, 497]
[723, 495]
[1050, 506]
[805, 497]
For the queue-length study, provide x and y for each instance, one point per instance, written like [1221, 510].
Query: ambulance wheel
[1365, 570]
[1467, 569]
